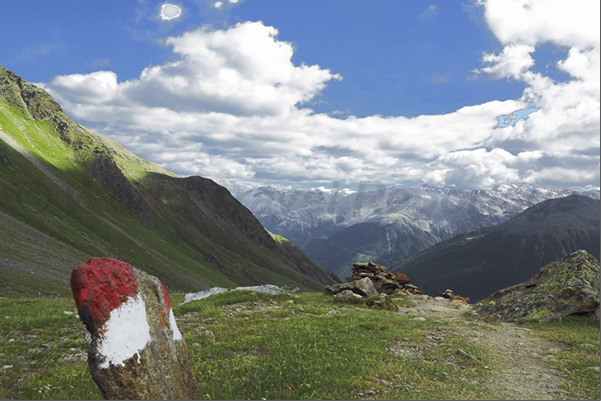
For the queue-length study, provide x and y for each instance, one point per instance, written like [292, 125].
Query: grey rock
[203, 294]
[266, 289]
[462, 352]
[345, 294]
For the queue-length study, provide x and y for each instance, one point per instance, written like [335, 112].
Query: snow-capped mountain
[387, 225]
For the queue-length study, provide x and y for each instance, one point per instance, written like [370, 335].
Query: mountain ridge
[484, 260]
[394, 222]
[67, 194]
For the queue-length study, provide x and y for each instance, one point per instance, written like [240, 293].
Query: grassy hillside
[68, 194]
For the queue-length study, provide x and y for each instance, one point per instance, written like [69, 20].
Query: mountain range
[68, 194]
[484, 260]
[387, 225]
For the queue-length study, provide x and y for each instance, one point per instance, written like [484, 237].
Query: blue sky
[303, 93]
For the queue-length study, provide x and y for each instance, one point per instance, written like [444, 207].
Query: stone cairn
[135, 350]
[370, 279]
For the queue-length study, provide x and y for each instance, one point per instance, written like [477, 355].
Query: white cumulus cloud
[512, 62]
[231, 105]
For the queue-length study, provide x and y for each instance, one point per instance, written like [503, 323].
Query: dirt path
[521, 374]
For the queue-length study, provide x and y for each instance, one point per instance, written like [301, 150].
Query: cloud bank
[231, 105]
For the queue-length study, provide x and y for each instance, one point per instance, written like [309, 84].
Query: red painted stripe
[166, 296]
[101, 285]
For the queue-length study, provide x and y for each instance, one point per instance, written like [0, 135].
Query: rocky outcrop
[35, 103]
[564, 287]
[135, 350]
[371, 279]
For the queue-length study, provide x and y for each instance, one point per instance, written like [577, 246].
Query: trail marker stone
[135, 350]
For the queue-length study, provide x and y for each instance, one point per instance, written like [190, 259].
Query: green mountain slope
[481, 261]
[68, 194]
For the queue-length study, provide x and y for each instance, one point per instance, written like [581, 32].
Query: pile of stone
[372, 279]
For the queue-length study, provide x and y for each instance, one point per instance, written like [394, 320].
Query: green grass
[307, 346]
[280, 239]
[581, 336]
[278, 347]
[42, 351]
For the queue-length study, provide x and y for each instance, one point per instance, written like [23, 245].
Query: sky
[303, 94]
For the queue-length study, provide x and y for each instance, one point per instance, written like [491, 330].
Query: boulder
[266, 288]
[194, 296]
[386, 286]
[135, 350]
[370, 267]
[363, 287]
[565, 287]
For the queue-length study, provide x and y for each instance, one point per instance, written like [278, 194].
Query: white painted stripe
[126, 333]
[176, 334]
